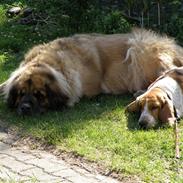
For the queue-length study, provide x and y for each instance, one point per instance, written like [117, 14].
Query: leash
[176, 132]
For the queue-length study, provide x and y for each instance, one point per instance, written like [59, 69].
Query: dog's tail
[148, 50]
[178, 59]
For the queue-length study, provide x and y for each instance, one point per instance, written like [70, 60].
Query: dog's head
[34, 89]
[153, 106]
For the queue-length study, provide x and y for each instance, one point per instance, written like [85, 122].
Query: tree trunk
[159, 14]
[148, 19]
[142, 19]
[129, 12]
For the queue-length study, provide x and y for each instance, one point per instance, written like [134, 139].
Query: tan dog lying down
[60, 72]
[163, 101]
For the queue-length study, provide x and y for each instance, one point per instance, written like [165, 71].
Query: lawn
[97, 128]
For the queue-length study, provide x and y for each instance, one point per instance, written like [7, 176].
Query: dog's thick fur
[62, 71]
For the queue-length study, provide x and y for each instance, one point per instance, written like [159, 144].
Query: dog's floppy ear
[12, 97]
[133, 107]
[56, 99]
[166, 113]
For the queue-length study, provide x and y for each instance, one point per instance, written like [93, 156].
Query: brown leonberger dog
[60, 72]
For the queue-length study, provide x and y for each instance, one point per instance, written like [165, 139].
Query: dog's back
[132, 61]
[115, 64]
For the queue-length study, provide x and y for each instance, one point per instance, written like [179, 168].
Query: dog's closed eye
[39, 95]
[153, 108]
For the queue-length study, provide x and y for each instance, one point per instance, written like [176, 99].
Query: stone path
[20, 164]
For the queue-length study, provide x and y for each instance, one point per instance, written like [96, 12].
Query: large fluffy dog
[62, 71]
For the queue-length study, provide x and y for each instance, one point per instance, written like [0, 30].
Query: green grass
[97, 128]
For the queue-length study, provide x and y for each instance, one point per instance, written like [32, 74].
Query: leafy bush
[115, 23]
[175, 27]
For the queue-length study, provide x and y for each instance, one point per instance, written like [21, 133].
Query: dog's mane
[144, 44]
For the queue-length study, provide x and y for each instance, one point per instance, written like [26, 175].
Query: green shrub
[175, 28]
[114, 22]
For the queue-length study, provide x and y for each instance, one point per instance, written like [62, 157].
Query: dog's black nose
[26, 108]
[143, 124]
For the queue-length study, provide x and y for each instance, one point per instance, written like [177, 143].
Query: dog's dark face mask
[30, 104]
[36, 95]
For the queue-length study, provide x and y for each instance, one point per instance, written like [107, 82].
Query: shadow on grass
[55, 124]
[132, 121]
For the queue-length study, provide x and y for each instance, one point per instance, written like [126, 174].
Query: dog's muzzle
[25, 109]
[28, 105]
